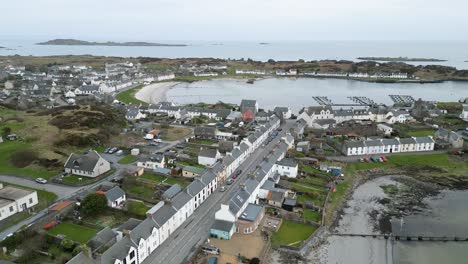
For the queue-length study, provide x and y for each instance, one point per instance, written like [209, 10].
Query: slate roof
[195, 187]
[248, 103]
[287, 162]
[143, 230]
[81, 258]
[163, 214]
[407, 141]
[221, 225]
[373, 143]
[118, 251]
[180, 200]
[129, 225]
[85, 162]
[102, 238]
[275, 196]
[424, 139]
[207, 177]
[238, 200]
[172, 191]
[227, 160]
[390, 141]
[251, 212]
[115, 193]
[208, 152]
[194, 170]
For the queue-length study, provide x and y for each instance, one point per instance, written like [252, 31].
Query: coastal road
[195, 230]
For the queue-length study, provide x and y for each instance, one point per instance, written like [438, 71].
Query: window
[11, 208]
[132, 254]
[30, 200]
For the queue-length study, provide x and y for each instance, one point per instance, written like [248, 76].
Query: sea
[455, 52]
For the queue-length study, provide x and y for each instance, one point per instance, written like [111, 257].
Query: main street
[184, 241]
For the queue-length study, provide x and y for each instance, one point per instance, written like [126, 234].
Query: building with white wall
[15, 200]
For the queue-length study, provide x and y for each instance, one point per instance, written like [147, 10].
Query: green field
[127, 159]
[74, 232]
[128, 96]
[311, 215]
[292, 234]
[421, 133]
[137, 208]
[9, 147]
[160, 178]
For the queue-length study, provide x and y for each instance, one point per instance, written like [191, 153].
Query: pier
[362, 100]
[402, 99]
[407, 237]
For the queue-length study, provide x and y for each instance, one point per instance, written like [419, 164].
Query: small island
[75, 42]
[264, 43]
[400, 59]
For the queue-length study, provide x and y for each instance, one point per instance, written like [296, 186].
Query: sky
[236, 20]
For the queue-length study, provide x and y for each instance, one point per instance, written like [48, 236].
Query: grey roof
[268, 185]
[208, 152]
[14, 193]
[85, 162]
[204, 131]
[354, 144]
[131, 113]
[276, 196]
[227, 160]
[281, 109]
[172, 191]
[238, 200]
[157, 157]
[250, 185]
[243, 147]
[163, 214]
[225, 146]
[102, 238]
[407, 141]
[390, 141]
[129, 225]
[180, 200]
[251, 212]
[117, 251]
[143, 230]
[207, 177]
[236, 153]
[287, 162]
[115, 193]
[89, 88]
[221, 225]
[80, 258]
[424, 139]
[195, 187]
[248, 103]
[373, 143]
[290, 202]
[194, 170]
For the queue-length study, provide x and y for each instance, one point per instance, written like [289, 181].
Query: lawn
[291, 233]
[128, 96]
[306, 198]
[74, 232]
[127, 159]
[310, 215]
[160, 178]
[137, 208]
[75, 179]
[141, 191]
[421, 133]
[110, 217]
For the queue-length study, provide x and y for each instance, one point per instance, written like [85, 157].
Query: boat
[250, 81]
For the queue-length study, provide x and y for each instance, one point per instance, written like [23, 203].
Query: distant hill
[75, 42]
[399, 59]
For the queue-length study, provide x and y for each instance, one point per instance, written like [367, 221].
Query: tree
[67, 244]
[254, 261]
[6, 131]
[93, 204]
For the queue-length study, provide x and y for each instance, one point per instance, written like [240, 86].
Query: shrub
[94, 204]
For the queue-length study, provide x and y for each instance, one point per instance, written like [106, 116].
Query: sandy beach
[155, 92]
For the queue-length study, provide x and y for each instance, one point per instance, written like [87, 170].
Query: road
[194, 232]
[64, 192]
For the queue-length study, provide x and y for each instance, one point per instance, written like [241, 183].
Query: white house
[115, 197]
[87, 90]
[152, 162]
[208, 156]
[287, 167]
[384, 146]
[14, 200]
[386, 130]
[464, 113]
[312, 113]
[90, 164]
[134, 114]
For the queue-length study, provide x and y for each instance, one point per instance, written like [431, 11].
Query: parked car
[107, 150]
[234, 176]
[239, 172]
[229, 181]
[41, 180]
[222, 189]
[158, 140]
[153, 144]
[119, 153]
[279, 129]
[113, 150]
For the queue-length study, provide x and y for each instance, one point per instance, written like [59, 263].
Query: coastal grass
[78, 233]
[292, 233]
[439, 160]
[128, 96]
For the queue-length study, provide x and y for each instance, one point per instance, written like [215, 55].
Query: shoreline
[155, 92]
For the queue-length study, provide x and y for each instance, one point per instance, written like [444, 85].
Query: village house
[191, 171]
[451, 137]
[464, 113]
[134, 113]
[208, 156]
[205, 132]
[90, 164]
[303, 146]
[386, 130]
[152, 162]
[15, 200]
[248, 109]
[115, 197]
[386, 146]
[287, 167]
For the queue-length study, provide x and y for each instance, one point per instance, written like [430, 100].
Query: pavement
[183, 243]
[60, 190]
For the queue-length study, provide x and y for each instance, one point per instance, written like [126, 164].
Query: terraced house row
[137, 242]
[387, 145]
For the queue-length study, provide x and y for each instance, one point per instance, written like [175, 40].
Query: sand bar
[155, 92]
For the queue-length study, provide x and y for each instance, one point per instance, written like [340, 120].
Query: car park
[41, 180]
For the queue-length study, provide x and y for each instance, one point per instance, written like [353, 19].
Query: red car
[384, 158]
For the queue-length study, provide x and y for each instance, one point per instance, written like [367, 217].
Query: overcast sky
[243, 20]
